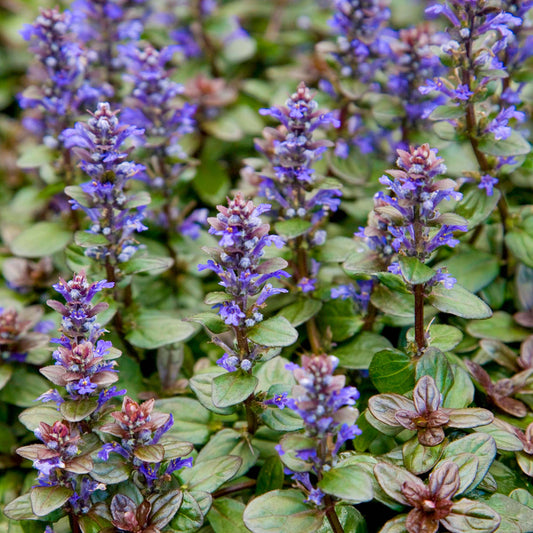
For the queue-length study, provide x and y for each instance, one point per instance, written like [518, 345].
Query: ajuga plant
[115, 216]
[303, 200]
[71, 461]
[354, 354]
[237, 261]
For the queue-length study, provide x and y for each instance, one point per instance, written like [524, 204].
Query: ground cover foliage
[267, 266]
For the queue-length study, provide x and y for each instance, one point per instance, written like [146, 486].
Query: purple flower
[279, 400]
[61, 93]
[99, 145]
[237, 261]
[359, 293]
[178, 464]
[499, 125]
[362, 45]
[114, 447]
[488, 182]
[323, 400]
[415, 198]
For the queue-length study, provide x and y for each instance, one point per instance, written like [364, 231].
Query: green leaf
[500, 326]
[512, 510]
[349, 483]
[458, 301]
[32, 416]
[482, 446]
[35, 156]
[44, 500]
[339, 318]
[351, 520]
[357, 354]
[394, 303]
[292, 444]
[363, 262]
[282, 419]
[151, 453]
[474, 270]
[513, 145]
[209, 475]
[461, 393]
[476, 206]
[471, 516]
[392, 371]
[419, 459]
[447, 112]
[230, 442]
[225, 516]
[270, 477]
[282, 511]
[190, 515]
[164, 507]
[20, 509]
[505, 441]
[212, 182]
[40, 240]
[434, 363]
[93, 523]
[522, 496]
[112, 471]
[395, 525]
[191, 419]
[150, 263]
[139, 199]
[274, 373]
[6, 371]
[202, 386]
[23, 388]
[336, 250]
[86, 239]
[276, 331]
[77, 410]
[151, 329]
[414, 271]
[292, 228]
[232, 388]
[521, 245]
[441, 336]
[239, 50]
[224, 128]
[211, 321]
[301, 311]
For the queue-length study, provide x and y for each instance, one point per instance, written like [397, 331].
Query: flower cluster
[60, 462]
[151, 104]
[20, 332]
[414, 64]
[244, 276]
[83, 363]
[104, 199]
[102, 25]
[325, 405]
[61, 92]
[411, 214]
[362, 42]
[140, 430]
[291, 183]
[485, 50]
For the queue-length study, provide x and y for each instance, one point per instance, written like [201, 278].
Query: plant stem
[370, 317]
[484, 166]
[420, 337]
[251, 418]
[331, 515]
